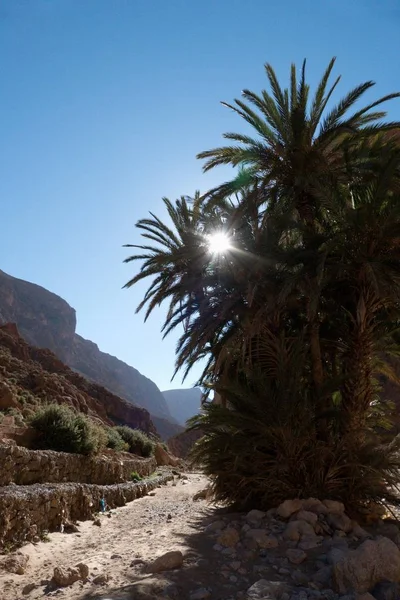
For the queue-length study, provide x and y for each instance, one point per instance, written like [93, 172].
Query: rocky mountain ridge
[47, 321]
[30, 376]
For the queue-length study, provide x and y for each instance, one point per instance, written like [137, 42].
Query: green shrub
[18, 417]
[115, 441]
[64, 430]
[135, 476]
[139, 443]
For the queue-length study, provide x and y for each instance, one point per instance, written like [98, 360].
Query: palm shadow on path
[202, 568]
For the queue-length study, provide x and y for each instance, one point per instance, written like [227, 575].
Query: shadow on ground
[202, 569]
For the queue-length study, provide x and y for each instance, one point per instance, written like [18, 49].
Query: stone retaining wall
[28, 511]
[26, 467]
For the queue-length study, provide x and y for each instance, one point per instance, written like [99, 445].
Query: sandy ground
[140, 531]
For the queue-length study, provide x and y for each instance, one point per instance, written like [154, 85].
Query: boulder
[334, 507]
[296, 556]
[359, 570]
[166, 562]
[65, 576]
[255, 516]
[101, 579]
[228, 538]
[297, 529]
[28, 588]
[163, 458]
[262, 538]
[288, 508]
[307, 516]
[16, 563]
[341, 522]
[314, 505]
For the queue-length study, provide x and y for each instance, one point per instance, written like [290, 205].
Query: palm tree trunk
[357, 390]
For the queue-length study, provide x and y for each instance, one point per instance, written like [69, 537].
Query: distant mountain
[183, 404]
[47, 321]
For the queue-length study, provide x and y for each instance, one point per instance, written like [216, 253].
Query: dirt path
[132, 537]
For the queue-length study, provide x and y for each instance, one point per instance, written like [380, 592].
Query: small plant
[44, 537]
[135, 476]
[139, 443]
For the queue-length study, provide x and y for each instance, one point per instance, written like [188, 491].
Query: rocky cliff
[47, 321]
[183, 404]
[30, 376]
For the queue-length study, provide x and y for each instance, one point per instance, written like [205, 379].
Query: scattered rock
[228, 538]
[334, 507]
[266, 590]
[97, 522]
[166, 562]
[65, 576]
[371, 563]
[314, 505]
[296, 556]
[307, 516]
[215, 526]
[28, 588]
[288, 508]
[323, 576]
[255, 516]
[262, 538]
[70, 527]
[101, 579]
[203, 494]
[136, 562]
[340, 522]
[297, 529]
[386, 590]
[299, 578]
[358, 531]
[115, 556]
[309, 543]
[16, 563]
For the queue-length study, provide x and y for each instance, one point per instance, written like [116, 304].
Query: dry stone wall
[26, 467]
[27, 511]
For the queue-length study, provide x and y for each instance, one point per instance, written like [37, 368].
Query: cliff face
[183, 404]
[30, 376]
[42, 318]
[47, 321]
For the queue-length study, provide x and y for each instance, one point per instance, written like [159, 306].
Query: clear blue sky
[103, 107]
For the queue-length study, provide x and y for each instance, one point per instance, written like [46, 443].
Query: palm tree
[300, 312]
[300, 149]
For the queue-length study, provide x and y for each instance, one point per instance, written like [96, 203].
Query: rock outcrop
[180, 445]
[47, 321]
[30, 376]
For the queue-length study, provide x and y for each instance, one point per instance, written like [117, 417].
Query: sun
[218, 242]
